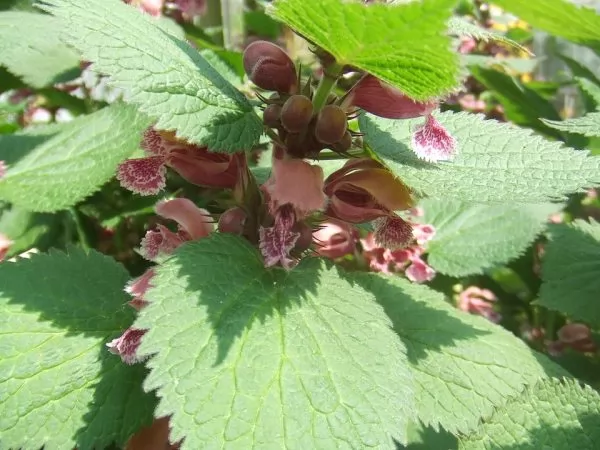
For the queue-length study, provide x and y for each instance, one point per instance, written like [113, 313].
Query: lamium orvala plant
[292, 241]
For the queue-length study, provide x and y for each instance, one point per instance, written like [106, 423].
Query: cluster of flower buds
[289, 110]
[193, 223]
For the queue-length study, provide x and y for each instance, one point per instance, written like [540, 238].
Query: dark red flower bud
[269, 67]
[331, 124]
[272, 116]
[296, 113]
[233, 221]
[344, 144]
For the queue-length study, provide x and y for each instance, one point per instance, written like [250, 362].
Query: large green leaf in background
[588, 125]
[558, 17]
[74, 162]
[553, 414]
[165, 76]
[473, 237]
[496, 162]
[404, 45]
[30, 48]
[253, 358]
[571, 271]
[59, 386]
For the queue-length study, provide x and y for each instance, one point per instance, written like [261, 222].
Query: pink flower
[137, 289]
[5, 244]
[295, 182]
[146, 176]
[377, 257]
[479, 301]
[423, 233]
[363, 190]
[277, 242]
[126, 345]
[152, 7]
[393, 232]
[383, 100]
[189, 8]
[3, 168]
[419, 271]
[432, 142]
[334, 239]
[194, 223]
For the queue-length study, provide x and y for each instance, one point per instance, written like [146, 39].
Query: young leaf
[496, 162]
[464, 366]
[165, 76]
[30, 48]
[472, 237]
[553, 414]
[588, 125]
[74, 162]
[591, 89]
[60, 386]
[461, 27]
[558, 17]
[403, 45]
[246, 357]
[570, 269]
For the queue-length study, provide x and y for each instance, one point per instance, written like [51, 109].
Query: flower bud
[233, 221]
[304, 238]
[296, 113]
[335, 238]
[331, 124]
[272, 116]
[344, 144]
[269, 67]
[383, 100]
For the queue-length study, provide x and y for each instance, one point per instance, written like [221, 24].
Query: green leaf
[522, 105]
[519, 65]
[553, 414]
[27, 230]
[570, 269]
[588, 125]
[591, 89]
[18, 145]
[464, 366]
[497, 162]
[403, 45]
[472, 237]
[164, 75]
[461, 27]
[252, 358]
[30, 48]
[558, 17]
[59, 386]
[75, 162]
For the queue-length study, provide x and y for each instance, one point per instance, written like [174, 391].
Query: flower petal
[144, 176]
[432, 142]
[197, 222]
[137, 289]
[126, 345]
[392, 232]
[161, 241]
[419, 271]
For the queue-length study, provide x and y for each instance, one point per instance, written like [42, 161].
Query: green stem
[327, 83]
[81, 234]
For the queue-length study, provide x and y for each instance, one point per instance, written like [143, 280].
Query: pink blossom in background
[577, 336]
[334, 239]
[480, 302]
[378, 257]
[432, 142]
[3, 168]
[126, 345]
[152, 7]
[419, 271]
[423, 233]
[5, 244]
[188, 8]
